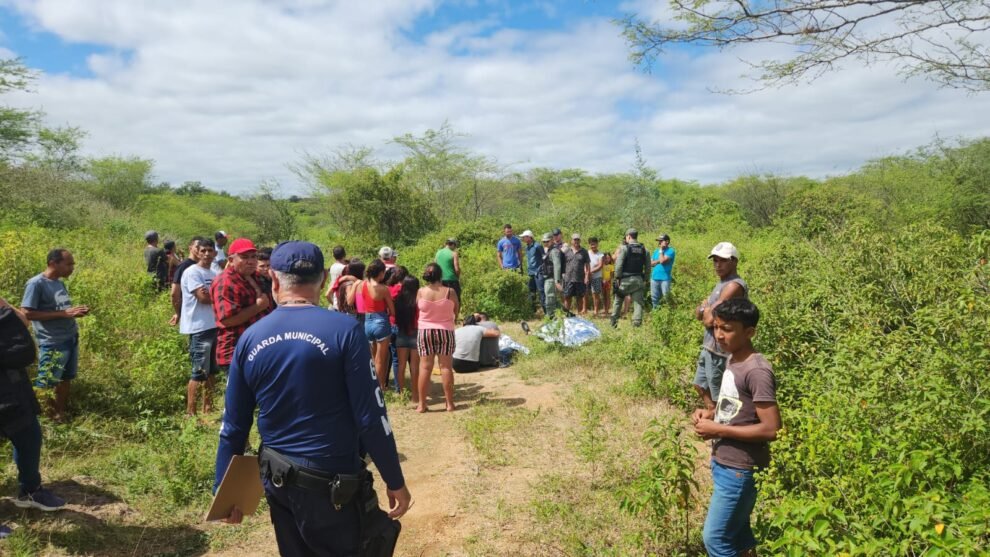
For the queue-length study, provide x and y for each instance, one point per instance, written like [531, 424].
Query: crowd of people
[310, 421]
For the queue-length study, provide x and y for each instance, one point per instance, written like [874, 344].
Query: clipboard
[241, 487]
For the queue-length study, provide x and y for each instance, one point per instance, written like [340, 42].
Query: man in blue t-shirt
[662, 262]
[307, 371]
[46, 303]
[509, 250]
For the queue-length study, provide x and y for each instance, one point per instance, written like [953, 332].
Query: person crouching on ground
[741, 426]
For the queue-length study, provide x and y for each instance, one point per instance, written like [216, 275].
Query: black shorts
[453, 284]
[575, 289]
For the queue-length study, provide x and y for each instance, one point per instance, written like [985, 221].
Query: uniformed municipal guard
[552, 269]
[307, 370]
[631, 268]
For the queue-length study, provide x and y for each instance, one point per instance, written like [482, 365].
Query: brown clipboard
[241, 487]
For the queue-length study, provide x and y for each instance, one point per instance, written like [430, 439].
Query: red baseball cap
[241, 245]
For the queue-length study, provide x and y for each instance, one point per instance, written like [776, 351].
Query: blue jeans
[393, 350]
[57, 363]
[727, 530]
[659, 289]
[27, 455]
[711, 366]
[536, 288]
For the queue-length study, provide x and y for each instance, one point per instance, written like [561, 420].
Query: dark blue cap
[287, 253]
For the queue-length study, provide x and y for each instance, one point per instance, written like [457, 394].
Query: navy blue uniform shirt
[308, 372]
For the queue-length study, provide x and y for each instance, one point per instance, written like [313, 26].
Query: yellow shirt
[608, 271]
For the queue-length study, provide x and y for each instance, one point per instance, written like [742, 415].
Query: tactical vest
[632, 265]
[546, 269]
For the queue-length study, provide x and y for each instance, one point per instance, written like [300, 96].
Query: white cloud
[229, 91]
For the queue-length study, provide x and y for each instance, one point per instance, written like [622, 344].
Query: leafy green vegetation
[874, 287]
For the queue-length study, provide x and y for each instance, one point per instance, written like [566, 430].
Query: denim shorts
[377, 327]
[406, 341]
[57, 363]
[711, 366]
[203, 354]
[727, 531]
[596, 285]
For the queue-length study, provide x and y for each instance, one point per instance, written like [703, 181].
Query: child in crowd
[608, 271]
[742, 425]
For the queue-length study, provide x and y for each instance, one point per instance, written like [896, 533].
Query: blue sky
[41, 49]
[230, 92]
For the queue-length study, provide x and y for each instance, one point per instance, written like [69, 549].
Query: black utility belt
[630, 276]
[284, 473]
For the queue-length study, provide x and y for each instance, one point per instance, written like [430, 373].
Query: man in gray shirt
[711, 360]
[47, 305]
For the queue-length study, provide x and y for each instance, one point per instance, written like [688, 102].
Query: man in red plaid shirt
[238, 298]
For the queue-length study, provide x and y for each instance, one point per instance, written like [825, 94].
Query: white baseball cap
[526, 233]
[725, 250]
[387, 253]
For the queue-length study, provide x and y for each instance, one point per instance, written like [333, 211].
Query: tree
[274, 215]
[457, 180]
[375, 208]
[641, 196]
[945, 41]
[17, 127]
[58, 150]
[191, 188]
[120, 181]
[315, 169]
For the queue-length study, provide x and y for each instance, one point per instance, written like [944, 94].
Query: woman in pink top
[438, 306]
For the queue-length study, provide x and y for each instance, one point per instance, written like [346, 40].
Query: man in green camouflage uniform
[552, 270]
[631, 268]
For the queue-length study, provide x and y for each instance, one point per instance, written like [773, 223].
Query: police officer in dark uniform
[308, 372]
[631, 269]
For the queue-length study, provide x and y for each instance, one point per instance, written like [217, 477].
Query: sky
[231, 92]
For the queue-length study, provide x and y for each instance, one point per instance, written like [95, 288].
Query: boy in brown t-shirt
[745, 420]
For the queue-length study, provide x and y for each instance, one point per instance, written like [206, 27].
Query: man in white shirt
[198, 321]
[337, 269]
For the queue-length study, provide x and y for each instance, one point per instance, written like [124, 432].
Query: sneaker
[41, 499]
[5, 531]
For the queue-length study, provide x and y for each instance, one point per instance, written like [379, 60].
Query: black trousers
[307, 525]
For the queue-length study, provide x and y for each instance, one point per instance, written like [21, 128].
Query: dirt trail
[442, 470]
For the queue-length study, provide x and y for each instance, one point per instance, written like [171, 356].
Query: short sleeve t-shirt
[196, 316]
[709, 342]
[594, 258]
[743, 384]
[574, 262]
[219, 260]
[663, 271]
[45, 294]
[177, 275]
[467, 343]
[509, 248]
[156, 262]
